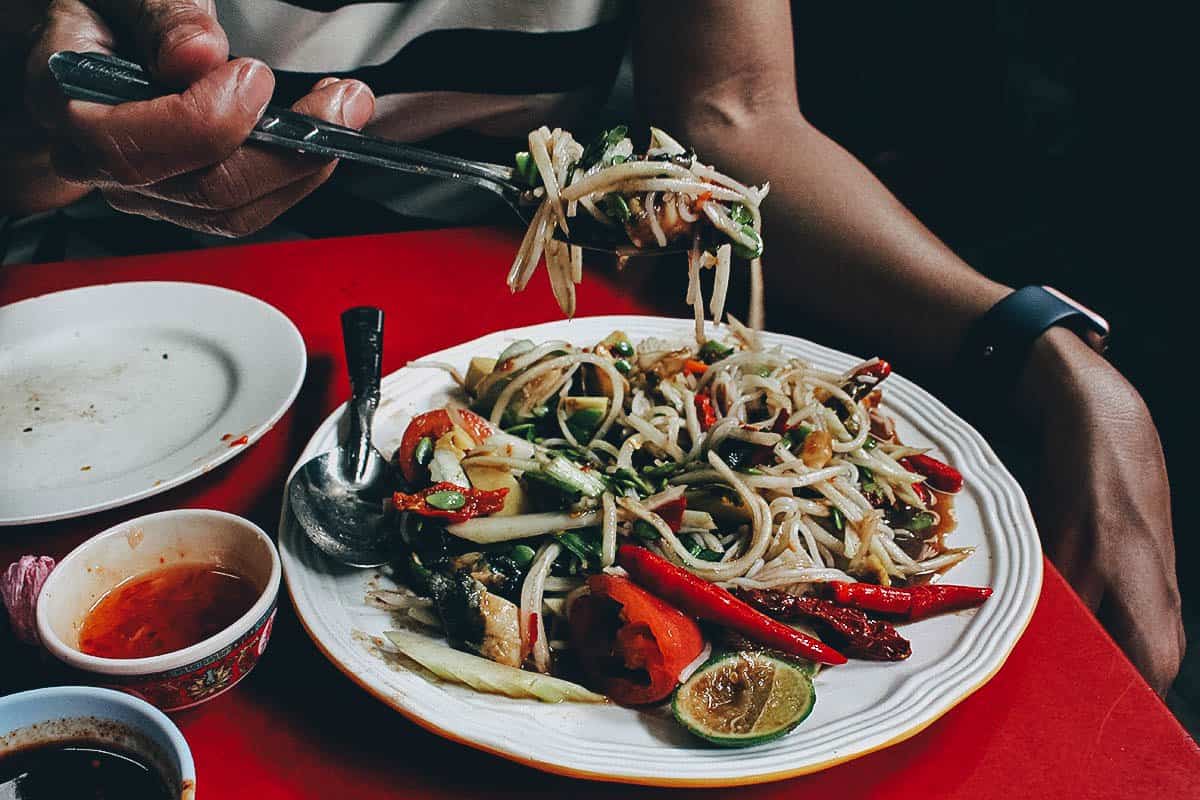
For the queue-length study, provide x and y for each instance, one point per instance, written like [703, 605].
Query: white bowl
[181, 678]
[102, 715]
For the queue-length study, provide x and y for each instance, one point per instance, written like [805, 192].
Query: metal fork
[102, 78]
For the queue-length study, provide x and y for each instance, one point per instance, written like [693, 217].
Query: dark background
[1022, 133]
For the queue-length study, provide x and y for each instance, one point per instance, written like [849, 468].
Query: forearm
[841, 249]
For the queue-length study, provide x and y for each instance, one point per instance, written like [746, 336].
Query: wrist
[1060, 364]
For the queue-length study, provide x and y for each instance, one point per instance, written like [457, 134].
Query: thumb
[179, 40]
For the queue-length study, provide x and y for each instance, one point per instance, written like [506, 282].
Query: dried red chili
[849, 630]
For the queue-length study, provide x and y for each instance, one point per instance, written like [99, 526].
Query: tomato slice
[632, 644]
[434, 424]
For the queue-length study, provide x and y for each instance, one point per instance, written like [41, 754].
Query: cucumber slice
[744, 698]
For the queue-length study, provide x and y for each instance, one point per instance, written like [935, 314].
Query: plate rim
[1030, 599]
[207, 465]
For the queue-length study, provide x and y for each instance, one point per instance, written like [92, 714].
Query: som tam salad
[700, 523]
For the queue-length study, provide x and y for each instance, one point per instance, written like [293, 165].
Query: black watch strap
[998, 344]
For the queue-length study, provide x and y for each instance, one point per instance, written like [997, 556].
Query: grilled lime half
[745, 698]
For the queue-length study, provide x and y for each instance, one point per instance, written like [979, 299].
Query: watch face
[1096, 331]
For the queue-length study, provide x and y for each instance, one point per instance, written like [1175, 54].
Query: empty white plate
[112, 393]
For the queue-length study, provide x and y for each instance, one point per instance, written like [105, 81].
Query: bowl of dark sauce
[84, 742]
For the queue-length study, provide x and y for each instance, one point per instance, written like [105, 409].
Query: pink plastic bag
[20, 587]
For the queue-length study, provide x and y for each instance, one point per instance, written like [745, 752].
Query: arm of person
[181, 157]
[860, 266]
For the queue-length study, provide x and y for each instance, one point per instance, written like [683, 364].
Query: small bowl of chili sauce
[174, 607]
[84, 742]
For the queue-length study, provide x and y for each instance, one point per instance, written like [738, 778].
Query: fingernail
[249, 71]
[255, 83]
[321, 84]
[358, 104]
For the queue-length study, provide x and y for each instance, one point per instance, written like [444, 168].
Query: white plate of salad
[630, 554]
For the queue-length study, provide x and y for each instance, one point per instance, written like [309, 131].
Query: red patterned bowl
[181, 678]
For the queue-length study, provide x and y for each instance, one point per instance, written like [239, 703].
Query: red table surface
[1067, 716]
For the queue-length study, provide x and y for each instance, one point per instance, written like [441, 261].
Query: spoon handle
[362, 334]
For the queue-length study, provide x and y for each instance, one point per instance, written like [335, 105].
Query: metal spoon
[341, 498]
[101, 78]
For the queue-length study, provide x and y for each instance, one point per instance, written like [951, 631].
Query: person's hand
[1102, 501]
[181, 157]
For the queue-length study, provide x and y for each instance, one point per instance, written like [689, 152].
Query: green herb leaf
[713, 351]
[525, 431]
[752, 250]
[839, 521]
[623, 348]
[740, 214]
[666, 470]
[921, 521]
[582, 546]
[627, 477]
[797, 435]
[698, 550]
[645, 531]
[583, 423]
[526, 169]
[600, 146]
[615, 207]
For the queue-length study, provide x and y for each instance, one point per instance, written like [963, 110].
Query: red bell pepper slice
[632, 644]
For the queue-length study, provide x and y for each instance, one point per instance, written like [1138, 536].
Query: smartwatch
[998, 344]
